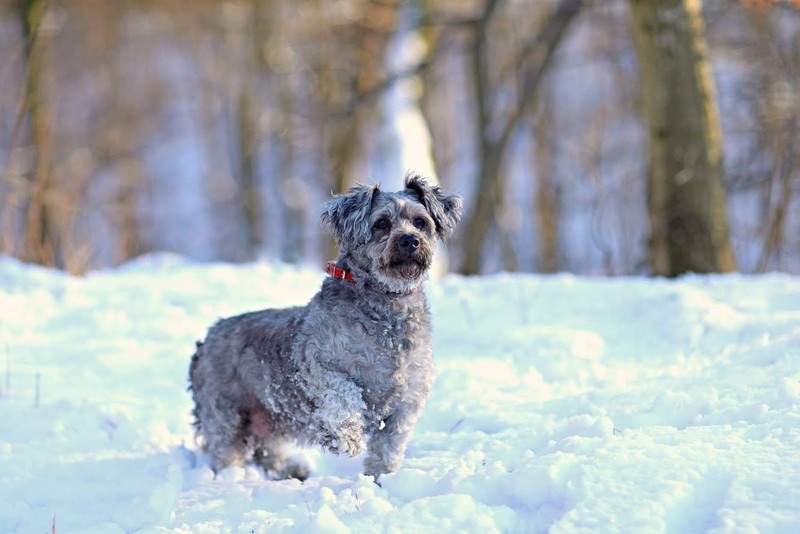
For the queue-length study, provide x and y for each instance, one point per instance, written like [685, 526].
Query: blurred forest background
[609, 136]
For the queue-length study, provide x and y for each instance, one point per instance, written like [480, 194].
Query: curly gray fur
[351, 370]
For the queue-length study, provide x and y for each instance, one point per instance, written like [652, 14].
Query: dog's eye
[381, 224]
[420, 223]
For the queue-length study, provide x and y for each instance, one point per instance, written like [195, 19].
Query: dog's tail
[194, 384]
[193, 365]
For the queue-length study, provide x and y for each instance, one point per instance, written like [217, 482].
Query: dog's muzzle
[408, 244]
[409, 257]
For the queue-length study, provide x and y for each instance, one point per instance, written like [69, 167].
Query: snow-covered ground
[563, 403]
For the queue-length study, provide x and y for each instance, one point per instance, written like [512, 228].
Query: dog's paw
[348, 439]
[352, 445]
[344, 445]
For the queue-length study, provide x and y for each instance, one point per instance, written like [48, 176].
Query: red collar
[336, 272]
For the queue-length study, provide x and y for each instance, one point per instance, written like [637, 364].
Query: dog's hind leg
[272, 456]
[269, 449]
[220, 426]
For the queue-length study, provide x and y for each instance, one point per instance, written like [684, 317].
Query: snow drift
[562, 403]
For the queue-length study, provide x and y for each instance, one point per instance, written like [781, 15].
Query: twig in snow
[53, 529]
[455, 426]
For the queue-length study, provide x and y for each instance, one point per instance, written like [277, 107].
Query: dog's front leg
[388, 444]
[339, 413]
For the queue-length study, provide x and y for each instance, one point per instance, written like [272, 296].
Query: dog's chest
[388, 354]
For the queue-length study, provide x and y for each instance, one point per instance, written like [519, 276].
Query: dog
[351, 370]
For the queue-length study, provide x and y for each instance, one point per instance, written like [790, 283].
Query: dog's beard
[404, 266]
[409, 268]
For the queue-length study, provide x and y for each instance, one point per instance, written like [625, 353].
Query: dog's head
[391, 236]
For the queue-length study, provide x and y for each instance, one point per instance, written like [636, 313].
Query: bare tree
[494, 128]
[249, 131]
[686, 195]
[779, 116]
[116, 136]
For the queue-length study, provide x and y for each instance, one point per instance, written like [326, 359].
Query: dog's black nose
[409, 243]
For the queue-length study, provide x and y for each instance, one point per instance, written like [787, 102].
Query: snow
[563, 403]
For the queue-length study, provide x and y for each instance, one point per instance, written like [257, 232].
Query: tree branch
[387, 83]
[480, 24]
[480, 70]
[539, 54]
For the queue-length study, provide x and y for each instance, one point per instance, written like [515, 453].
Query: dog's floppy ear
[347, 216]
[445, 209]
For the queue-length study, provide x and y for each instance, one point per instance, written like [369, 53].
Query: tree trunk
[546, 200]
[250, 134]
[686, 195]
[39, 243]
[248, 143]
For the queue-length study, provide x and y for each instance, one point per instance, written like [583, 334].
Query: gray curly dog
[351, 370]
